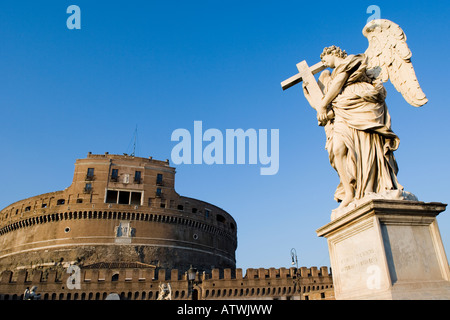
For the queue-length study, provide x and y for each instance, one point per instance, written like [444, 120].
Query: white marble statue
[352, 108]
[31, 294]
[165, 291]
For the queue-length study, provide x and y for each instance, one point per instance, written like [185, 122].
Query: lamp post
[191, 275]
[294, 261]
[294, 257]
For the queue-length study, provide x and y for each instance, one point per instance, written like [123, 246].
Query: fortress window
[88, 188]
[44, 205]
[28, 208]
[124, 197]
[115, 175]
[220, 218]
[137, 177]
[115, 277]
[60, 202]
[159, 179]
[180, 207]
[79, 200]
[136, 198]
[111, 196]
[194, 210]
[90, 174]
[158, 192]
[207, 213]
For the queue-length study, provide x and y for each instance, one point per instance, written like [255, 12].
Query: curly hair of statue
[333, 50]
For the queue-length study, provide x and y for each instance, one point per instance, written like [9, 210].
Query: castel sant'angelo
[128, 232]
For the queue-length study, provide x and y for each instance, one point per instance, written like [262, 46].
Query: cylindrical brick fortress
[119, 208]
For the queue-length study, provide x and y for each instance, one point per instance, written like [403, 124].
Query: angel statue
[352, 108]
[165, 292]
[31, 294]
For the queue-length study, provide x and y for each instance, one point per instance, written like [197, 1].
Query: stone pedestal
[388, 249]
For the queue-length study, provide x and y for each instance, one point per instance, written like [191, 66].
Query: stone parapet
[142, 283]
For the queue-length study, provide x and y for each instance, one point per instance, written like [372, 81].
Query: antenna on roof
[132, 150]
[134, 143]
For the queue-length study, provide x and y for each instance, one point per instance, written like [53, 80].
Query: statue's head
[329, 54]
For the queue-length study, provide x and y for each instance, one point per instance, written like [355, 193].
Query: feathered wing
[390, 58]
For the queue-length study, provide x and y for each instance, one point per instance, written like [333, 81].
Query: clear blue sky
[161, 65]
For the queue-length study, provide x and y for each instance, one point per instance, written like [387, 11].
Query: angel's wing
[390, 58]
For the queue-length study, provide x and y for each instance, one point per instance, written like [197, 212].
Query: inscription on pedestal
[357, 259]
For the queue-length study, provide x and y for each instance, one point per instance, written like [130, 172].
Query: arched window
[195, 294]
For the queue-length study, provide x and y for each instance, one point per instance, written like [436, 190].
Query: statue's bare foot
[345, 202]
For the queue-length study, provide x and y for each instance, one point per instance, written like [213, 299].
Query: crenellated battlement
[139, 282]
[138, 273]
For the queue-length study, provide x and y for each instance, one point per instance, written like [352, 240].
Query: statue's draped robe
[363, 121]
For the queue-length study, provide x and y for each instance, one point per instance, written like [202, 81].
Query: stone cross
[306, 74]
